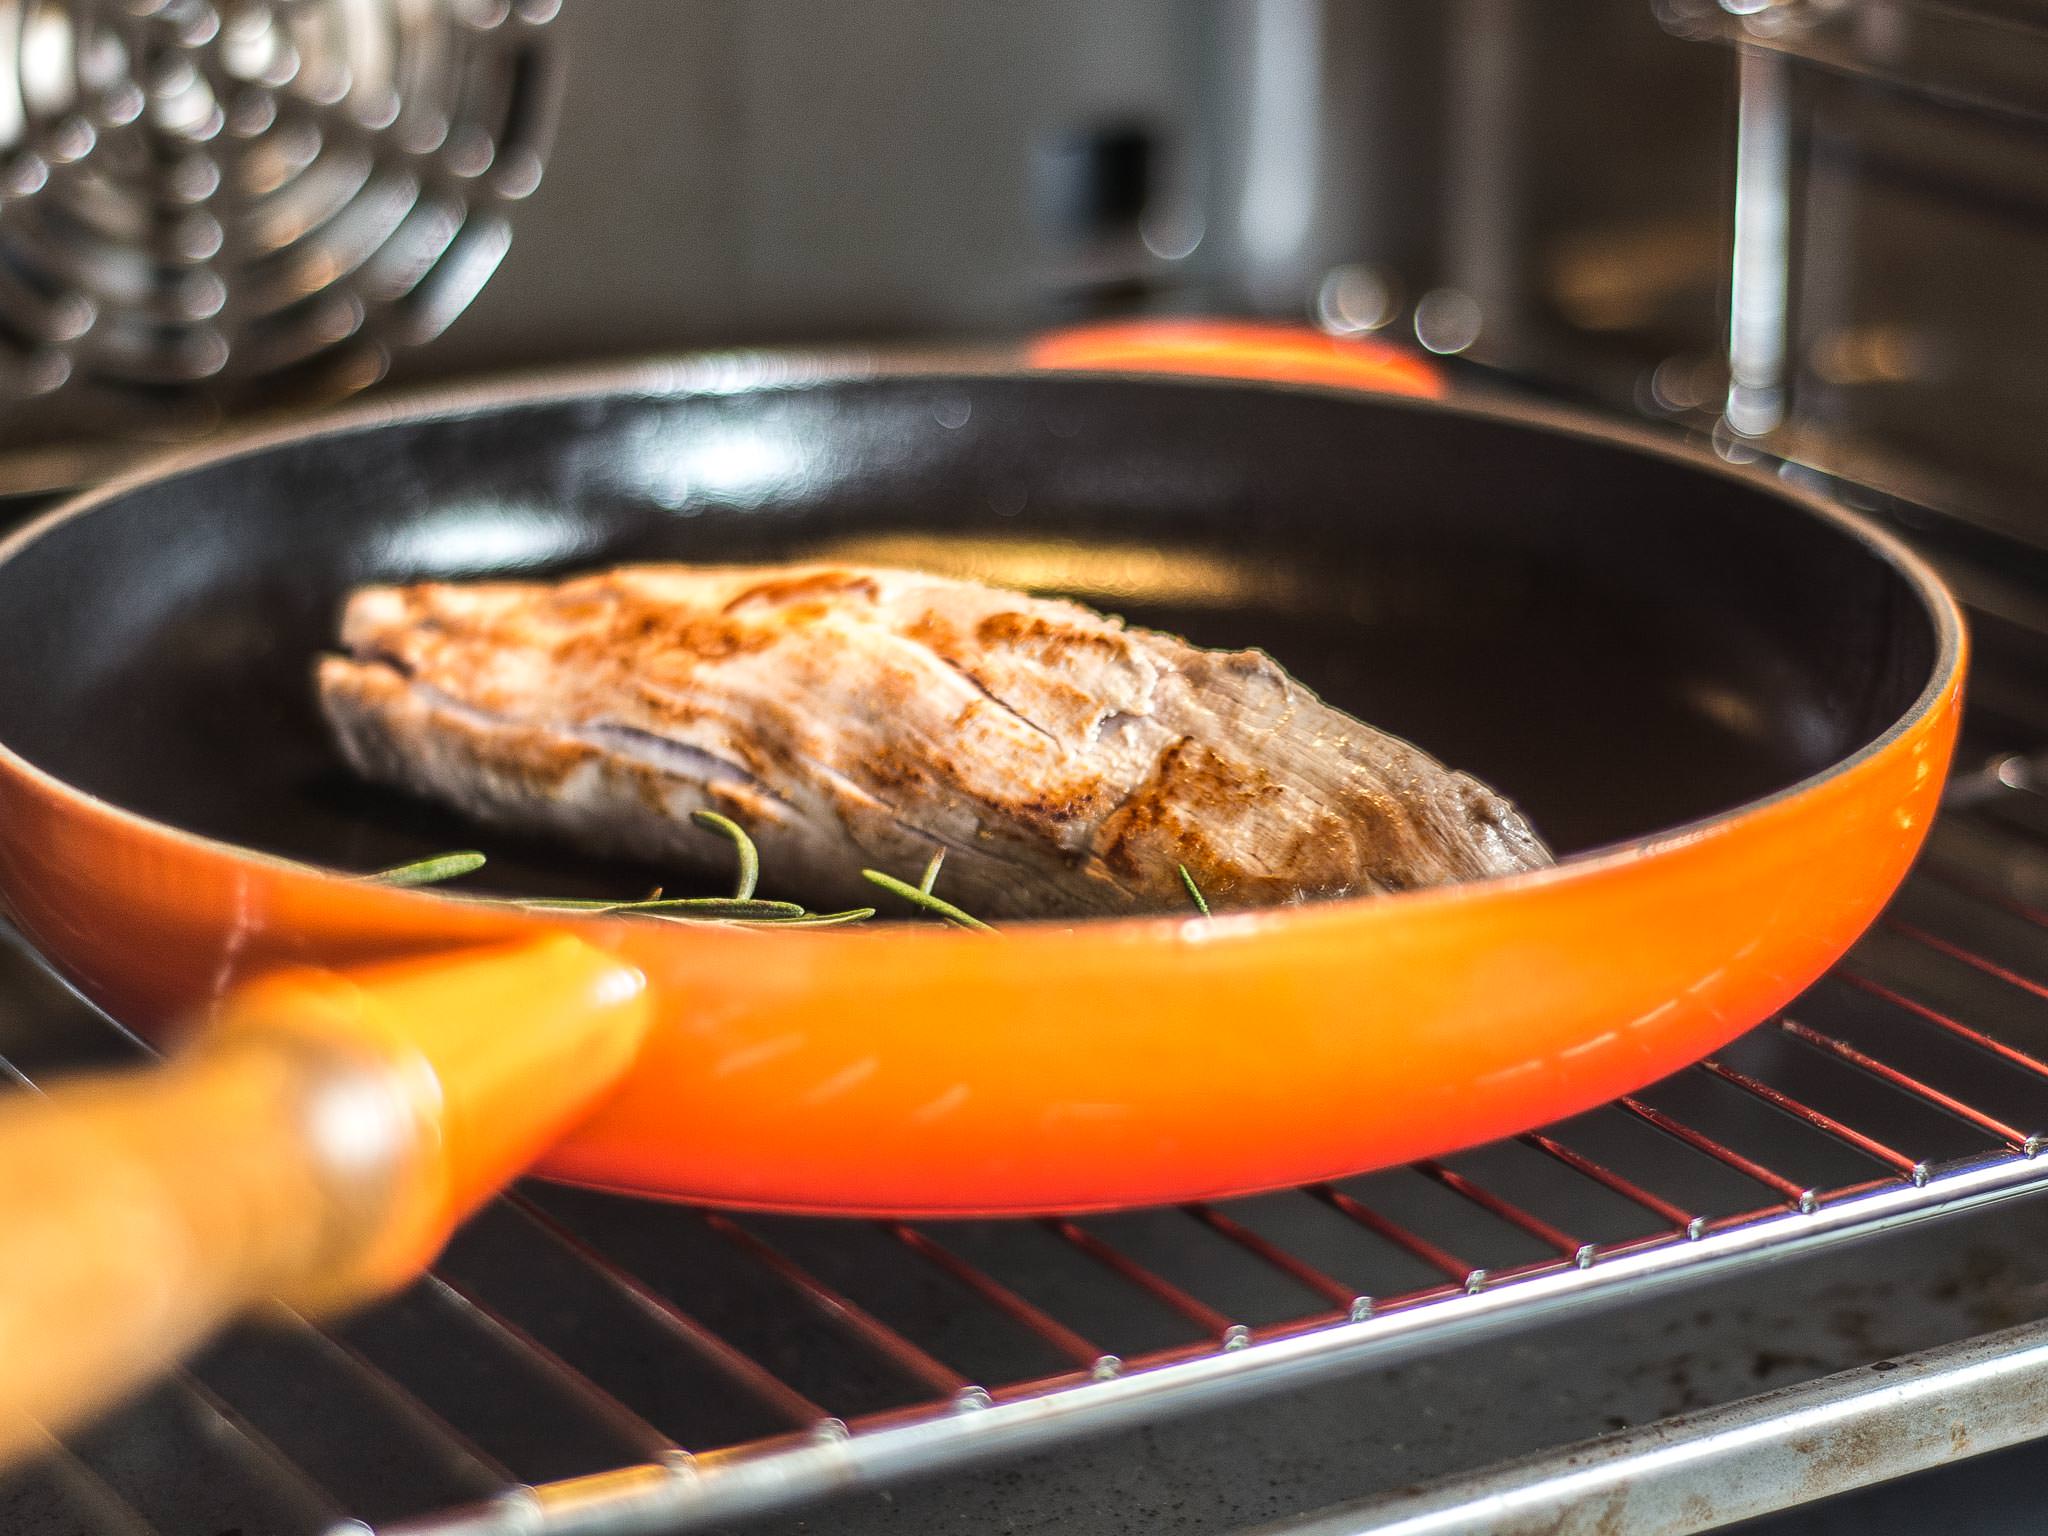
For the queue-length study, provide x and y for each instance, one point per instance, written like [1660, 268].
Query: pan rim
[767, 371]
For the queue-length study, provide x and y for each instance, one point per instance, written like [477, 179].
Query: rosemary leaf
[742, 909]
[1194, 890]
[430, 871]
[685, 908]
[925, 900]
[750, 859]
[551, 903]
[815, 919]
[723, 906]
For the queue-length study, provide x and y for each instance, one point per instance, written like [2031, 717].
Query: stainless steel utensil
[209, 206]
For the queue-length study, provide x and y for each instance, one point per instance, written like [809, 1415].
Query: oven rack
[588, 1364]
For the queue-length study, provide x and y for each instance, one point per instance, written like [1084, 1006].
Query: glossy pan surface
[1730, 706]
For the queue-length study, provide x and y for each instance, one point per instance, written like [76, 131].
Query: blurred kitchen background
[1540, 185]
[1544, 182]
[1597, 199]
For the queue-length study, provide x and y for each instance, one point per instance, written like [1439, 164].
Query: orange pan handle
[316, 1141]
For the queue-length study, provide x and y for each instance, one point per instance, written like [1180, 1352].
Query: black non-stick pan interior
[1620, 640]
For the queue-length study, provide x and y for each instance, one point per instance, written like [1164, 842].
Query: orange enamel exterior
[1239, 349]
[916, 1070]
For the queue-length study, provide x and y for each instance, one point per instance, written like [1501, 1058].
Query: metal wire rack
[585, 1363]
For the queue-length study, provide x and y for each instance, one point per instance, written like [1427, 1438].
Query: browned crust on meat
[815, 585]
[1054, 644]
[1187, 812]
[637, 632]
[854, 716]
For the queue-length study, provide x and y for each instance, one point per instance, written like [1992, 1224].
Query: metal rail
[786, 1474]
[1764, 1454]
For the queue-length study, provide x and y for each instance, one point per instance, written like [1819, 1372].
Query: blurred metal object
[738, 174]
[1760, 275]
[1983, 53]
[1538, 186]
[1891, 193]
[212, 206]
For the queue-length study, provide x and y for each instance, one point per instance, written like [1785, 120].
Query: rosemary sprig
[430, 871]
[686, 909]
[820, 919]
[1194, 890]
[921, 897]
[743, 908]
[750, 858]
[925, 901]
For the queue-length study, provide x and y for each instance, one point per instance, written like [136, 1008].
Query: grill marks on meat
[850, 717]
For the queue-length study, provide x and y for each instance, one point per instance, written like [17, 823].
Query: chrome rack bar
[918, 1365]
[1884, 1072]
[1705, 1470]
[746, 1481]
[1777, 1098]
[1442, 1260]
[1035, 1319]
[463, 1456]
[622, 1421]
[1296, 1269]
[2011, 1054]
[1527, 1222]
[1796, 1195]
[1191, 1309]
[728, 1360]
[1677, 1216]
[1969, 957]
[255, 1447]
[111, 1514]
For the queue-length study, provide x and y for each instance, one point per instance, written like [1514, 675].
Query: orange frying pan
[1729, 704]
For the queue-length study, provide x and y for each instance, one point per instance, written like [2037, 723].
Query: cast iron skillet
[1729, 705]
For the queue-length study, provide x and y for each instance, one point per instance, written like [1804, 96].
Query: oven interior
[1765, 1289]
